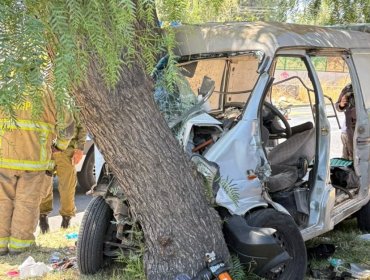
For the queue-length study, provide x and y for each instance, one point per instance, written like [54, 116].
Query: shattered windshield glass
[233, 79]
[174, 104]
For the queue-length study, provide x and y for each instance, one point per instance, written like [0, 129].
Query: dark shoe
[44, 224]
[65, 221]
[15, 253]
[4, 252]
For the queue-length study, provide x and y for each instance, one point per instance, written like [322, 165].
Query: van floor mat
[340, 162]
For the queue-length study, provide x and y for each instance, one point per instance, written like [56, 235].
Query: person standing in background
[65, 162]
[26, 148]
[346, 104]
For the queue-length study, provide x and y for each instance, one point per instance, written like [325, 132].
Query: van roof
[263, 36]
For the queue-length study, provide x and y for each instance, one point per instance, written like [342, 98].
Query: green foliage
[170, 77]
[265, 10]
[170, 10]
[133, 267]
[349, 247]
[237, 270]
[195, 11]
[211, 10]
[54, 42]
[22, 57]
[132, 260]
[225, 183]
[229, 187]
[104, 31]
[331, 12]
[241, 272]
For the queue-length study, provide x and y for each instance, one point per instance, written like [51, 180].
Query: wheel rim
[110, 250]
[278, 270]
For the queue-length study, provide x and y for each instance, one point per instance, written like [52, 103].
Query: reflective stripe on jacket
[26, 144]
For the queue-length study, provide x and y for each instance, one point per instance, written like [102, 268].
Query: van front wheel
[94, 231]
[288, 236]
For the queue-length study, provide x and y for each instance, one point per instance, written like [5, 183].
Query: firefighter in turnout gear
[67, 179]
[25, 164]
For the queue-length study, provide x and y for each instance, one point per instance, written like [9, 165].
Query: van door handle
[324, 131]
[363, 140]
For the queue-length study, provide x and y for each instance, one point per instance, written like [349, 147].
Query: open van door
[360, 69]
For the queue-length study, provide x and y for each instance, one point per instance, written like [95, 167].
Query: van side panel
[361, 60]
[361, 64]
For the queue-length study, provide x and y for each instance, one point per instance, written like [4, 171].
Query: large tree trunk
[157, 177]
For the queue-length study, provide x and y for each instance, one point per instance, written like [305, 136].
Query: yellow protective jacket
[26, 144]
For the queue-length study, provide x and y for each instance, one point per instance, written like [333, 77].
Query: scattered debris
[365, 237]
[65, 263]
[30, 268]
[339, 269]
[336, 263]
[71, 250]
[330, 273]
[13, 273]
[55, 257]
[72, 235]
[359, 271]
[216, 269]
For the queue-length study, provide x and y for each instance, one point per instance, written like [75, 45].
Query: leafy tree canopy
[53, 41]
[331, 12]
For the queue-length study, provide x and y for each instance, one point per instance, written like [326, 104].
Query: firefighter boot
[44, 223]
[65, 221]
[4, 251]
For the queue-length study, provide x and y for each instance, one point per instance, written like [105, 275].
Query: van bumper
[256, 247]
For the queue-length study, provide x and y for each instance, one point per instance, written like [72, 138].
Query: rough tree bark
[157, 177]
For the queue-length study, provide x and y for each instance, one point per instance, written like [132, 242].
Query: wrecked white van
[282, 174]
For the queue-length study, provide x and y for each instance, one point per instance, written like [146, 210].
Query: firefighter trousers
[20, 196]
[67, 181]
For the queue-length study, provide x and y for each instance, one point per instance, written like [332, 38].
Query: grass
[349, 248]
[47, 244]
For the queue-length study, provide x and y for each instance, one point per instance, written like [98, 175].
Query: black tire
[363, 218]
[289, 237]
[86, 177]
[91, 237]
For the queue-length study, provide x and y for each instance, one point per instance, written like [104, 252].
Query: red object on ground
[12, 273]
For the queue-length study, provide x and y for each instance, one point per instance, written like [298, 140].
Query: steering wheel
[287, 131]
